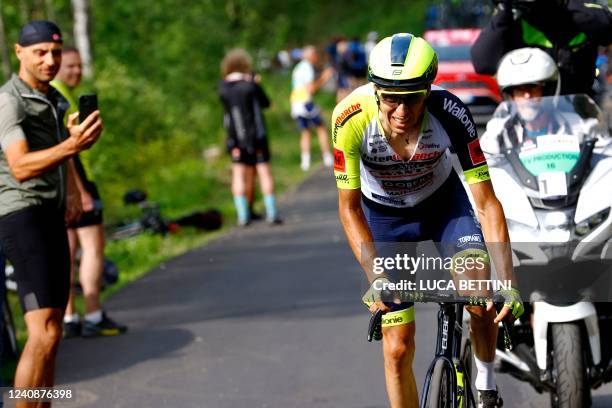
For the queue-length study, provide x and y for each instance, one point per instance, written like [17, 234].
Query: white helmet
[528, 66]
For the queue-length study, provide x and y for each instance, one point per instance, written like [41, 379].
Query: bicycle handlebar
[376, 319]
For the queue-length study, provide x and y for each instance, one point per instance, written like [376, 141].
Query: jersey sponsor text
[461, 114]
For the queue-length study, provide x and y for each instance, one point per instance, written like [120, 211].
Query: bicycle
[151, 219]
[448, 380]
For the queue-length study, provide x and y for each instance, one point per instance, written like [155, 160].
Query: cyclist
[390, 140]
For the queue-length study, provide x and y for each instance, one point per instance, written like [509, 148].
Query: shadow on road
[84, 359]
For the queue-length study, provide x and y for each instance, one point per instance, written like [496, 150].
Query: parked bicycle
[151, 219]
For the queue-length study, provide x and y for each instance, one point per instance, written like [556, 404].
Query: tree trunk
[81, 12]
[4, 52]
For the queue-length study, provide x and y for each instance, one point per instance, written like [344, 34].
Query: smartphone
[87, 105]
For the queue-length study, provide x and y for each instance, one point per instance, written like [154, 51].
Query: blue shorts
[311, 119]
[446, 217]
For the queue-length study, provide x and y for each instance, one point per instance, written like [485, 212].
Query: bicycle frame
[448, 349]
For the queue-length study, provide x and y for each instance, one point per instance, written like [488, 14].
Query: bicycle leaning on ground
[448, 383]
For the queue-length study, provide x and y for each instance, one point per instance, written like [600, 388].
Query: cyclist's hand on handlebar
[378, 296]
[513, 305]
[379, 305]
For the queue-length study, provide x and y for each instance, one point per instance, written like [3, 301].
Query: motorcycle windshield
[548, 135]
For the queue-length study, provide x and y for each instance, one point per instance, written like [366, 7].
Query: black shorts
[93, 217]
[35, 242]
[89, 218]
[251, 157]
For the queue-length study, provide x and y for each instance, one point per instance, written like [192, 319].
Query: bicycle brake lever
[508, 341]
[375, 329]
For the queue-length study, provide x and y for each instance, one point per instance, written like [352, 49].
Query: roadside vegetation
[156, 68]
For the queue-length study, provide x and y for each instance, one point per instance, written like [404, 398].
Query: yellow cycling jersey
[364, 159]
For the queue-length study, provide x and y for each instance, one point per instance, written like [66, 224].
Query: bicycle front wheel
[468, 365]
[439, 395]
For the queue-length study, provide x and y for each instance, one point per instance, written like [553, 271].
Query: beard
[528, 110]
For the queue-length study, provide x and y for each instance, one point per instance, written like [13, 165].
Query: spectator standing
[244, 99]
[356, 60]
[371, 41]
[303, 109]
[88, 231]
[38, 194]
[335, 50]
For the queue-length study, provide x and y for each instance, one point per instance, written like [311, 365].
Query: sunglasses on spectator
[394, 99]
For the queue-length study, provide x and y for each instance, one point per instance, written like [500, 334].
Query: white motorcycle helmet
[529, 66]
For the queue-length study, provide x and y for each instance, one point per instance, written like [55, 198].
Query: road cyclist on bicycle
[396, 183]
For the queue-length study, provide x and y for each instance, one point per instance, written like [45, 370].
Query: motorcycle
[555, 185]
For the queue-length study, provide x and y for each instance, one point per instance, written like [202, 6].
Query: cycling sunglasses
[394, 99]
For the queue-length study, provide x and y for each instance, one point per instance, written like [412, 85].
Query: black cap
[39, 31]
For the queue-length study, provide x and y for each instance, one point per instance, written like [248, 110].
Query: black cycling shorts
[89, 218]
[35, 242]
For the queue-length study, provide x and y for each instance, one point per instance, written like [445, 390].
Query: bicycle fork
[450, 332]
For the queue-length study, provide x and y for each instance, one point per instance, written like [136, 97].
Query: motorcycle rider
[525, 76]
[531, 82]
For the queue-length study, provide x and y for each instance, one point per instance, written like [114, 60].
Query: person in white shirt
[303, 109]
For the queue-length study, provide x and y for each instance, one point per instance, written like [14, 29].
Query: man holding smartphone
[38, 195]
[88, 231]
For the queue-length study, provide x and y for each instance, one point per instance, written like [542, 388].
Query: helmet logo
[397, 72]
[520, 57]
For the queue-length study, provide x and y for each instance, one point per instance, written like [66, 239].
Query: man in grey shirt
[38, 194]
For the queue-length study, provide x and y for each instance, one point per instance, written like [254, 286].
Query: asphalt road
[261, 317]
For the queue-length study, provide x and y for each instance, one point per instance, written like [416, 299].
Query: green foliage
[157, 69]
[156, 73]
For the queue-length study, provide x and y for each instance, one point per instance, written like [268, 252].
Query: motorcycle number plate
[552, 183]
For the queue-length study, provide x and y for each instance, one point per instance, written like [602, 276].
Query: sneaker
[106, 327]
[328, 160]
[255, 216]
[274, 221]
[489, 399]
[72, 329]
[304, 165]
[243, 223]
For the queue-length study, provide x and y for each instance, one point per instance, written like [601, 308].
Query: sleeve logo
[462, 114]
[339, 162]
[476, 154]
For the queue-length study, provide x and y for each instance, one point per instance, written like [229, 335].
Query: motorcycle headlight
[584, 227]
[557, 219]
